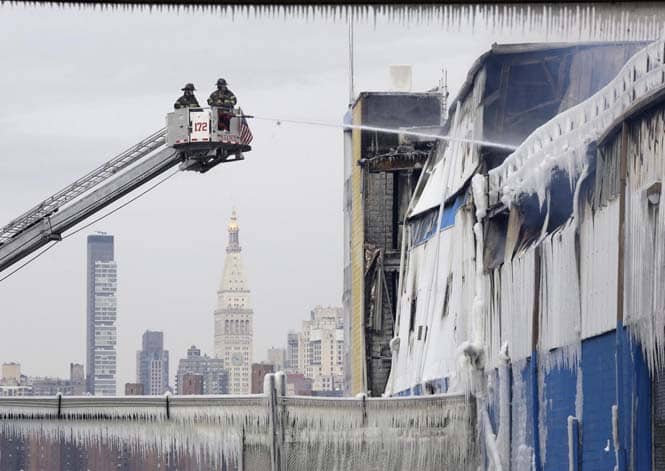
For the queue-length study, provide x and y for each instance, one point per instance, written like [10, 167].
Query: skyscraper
[233, 316]
[101, 313]
[152, 364]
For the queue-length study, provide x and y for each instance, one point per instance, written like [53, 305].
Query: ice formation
[432, 432]
[555, 22]
[562, 142]
[644, 303]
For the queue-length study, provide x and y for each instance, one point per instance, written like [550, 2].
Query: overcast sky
[81, 85]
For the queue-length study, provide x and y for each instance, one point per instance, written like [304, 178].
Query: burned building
[381, 172]
[532, 276]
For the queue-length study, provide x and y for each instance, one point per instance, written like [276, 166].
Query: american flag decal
[245, 134]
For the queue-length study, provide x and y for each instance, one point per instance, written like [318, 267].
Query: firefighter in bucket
[187, 99]
[224, 100]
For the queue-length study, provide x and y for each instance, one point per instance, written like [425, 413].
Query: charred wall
[388, 179]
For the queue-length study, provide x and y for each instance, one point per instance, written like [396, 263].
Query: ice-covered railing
[427, 432]
[218, 409]
[562, 141]
[290, 432]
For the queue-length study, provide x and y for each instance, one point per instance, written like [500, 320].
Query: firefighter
[222, 97]
[187, 99]
[224, 100]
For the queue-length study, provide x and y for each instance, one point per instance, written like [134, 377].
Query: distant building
[134, 389]
[77, 379]
[11, 373]
[16, 390]
[234, 329]
[335, 393]
[76, 372]
[292, 352]
[321, 352]
[192, 384]
[298, 385]
[215, 377]
[101, 314]
[277, 357]
[50, 386]
[152, 364]
[259, 371]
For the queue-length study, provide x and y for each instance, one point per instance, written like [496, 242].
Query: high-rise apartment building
[152, 364]
[214, 376]
[101, 315]
[233, 316]
[321, 352]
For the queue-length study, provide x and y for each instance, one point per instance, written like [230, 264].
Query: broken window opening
[412, 317]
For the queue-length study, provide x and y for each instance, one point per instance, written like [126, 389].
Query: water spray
[362, 127]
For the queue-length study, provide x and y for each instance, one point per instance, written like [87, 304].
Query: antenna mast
[351, 90]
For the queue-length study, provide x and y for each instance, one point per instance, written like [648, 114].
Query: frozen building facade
[533, 278]
[234, 329]
[101, 314]
[380, 174]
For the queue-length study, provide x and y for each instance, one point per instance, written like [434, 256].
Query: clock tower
[234, 329]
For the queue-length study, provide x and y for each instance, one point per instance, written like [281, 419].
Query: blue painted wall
[602, 388]
[599, 380]
[635, 414]
[559, 394]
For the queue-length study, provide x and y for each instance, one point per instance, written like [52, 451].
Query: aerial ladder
[196, 139]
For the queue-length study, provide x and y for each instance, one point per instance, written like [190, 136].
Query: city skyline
[233, 333]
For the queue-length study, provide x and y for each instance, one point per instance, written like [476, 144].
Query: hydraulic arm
[47, 221]
[193, 137]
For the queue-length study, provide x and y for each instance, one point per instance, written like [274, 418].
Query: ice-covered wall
[559, 324]
[550, 292]
[562, 142]
[644, 301]
[599, 249]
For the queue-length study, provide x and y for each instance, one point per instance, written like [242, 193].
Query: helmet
[189, 86]
[221, 82]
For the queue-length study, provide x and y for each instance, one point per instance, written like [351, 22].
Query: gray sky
[82, 85]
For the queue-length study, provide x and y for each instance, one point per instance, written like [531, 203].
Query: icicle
[428, 433]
